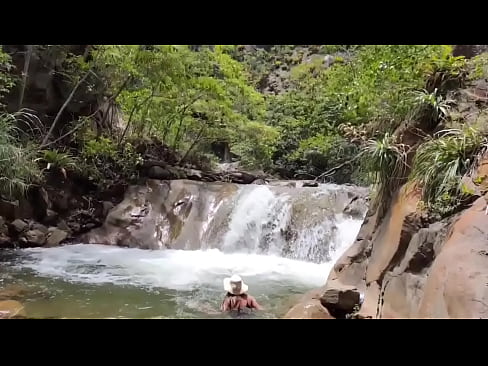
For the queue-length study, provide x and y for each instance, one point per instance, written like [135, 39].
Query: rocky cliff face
[406, 267]
[403, 265]
[409, 269]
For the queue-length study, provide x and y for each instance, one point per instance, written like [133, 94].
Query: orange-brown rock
[457, 285]
[410, 269]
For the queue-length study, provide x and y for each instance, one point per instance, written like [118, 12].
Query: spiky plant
[386, 163]
[442, 160]
[17, 167]
[57, 159]
[432, 105]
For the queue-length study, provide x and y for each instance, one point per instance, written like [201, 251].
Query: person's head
[235, 285]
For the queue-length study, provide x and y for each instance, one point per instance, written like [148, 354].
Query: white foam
[172, 269]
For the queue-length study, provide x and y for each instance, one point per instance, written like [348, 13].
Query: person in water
[237, 298]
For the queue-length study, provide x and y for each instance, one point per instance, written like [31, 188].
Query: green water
[120, 283]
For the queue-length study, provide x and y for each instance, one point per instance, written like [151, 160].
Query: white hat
[228, 282]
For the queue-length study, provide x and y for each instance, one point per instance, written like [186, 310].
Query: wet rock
[55, 237]
[341, 301]
[157, 172]
[107, 206]
[259, 181]
[11, 309]
[19, 225]
[310, 184]
[357, 207]
[12, 292]
[34, 237]
[40, 227]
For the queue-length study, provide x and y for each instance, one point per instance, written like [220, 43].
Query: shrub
[385, 162]
[17, 166]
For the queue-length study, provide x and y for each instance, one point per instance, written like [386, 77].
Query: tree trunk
[60, 112]
[25, 74]
[194, 143]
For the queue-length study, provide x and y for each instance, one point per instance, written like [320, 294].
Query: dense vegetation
[334, 118]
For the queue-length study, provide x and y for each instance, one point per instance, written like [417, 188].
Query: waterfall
[290, 223]
[302, 223]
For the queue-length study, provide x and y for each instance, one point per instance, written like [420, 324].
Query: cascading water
[281, 240]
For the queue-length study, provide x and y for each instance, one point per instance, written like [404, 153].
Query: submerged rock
[12, 292]
[11, 309]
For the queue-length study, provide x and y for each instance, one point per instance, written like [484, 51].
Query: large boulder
[165, 214]
[19, 225]
[34, 238]
[157, 172]
[55, 237]
[341, 301]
